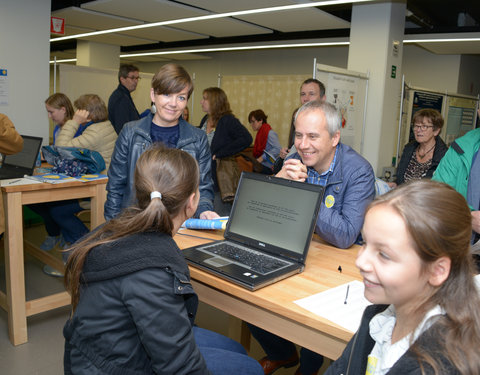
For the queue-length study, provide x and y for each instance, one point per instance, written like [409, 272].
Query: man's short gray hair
[334, 121]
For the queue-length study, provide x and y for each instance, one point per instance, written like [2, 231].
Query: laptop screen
[274, 212]
[28, 156]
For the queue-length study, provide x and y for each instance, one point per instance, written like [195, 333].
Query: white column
[375, 31]
[24, 53]
[98, 55]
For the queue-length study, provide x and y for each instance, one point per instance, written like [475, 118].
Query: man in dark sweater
[121, 108]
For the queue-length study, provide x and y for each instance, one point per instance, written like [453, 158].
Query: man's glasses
[422, 127]
[134, 78]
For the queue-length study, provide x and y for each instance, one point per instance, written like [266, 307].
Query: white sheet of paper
[331, 304]
[18, 181]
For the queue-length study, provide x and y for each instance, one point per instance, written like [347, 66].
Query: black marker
[346, 295]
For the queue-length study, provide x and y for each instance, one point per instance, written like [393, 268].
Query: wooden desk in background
[272, 308]
[14, 197]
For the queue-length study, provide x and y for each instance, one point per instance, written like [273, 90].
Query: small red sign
[57, 25]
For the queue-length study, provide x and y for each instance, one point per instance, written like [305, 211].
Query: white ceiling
[108, 14]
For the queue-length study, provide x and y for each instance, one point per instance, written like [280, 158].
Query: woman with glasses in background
[421, 157]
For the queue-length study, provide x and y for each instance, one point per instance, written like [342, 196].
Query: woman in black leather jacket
[171, 88]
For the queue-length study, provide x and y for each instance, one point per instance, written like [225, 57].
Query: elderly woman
[266, 147]
[421, 157]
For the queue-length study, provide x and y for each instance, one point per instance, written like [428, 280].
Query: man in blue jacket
[349, 186]
[323, 160]
[121, 108]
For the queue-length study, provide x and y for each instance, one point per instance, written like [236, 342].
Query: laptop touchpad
[217, 262]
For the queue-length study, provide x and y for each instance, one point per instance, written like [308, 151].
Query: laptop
[23, 162]
[268, 233]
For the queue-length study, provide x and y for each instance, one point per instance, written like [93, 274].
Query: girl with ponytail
[133, 305]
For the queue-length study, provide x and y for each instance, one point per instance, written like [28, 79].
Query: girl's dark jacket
[136, 311]
[353, 360]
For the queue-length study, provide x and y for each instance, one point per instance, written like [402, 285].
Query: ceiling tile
[222, 27]
[115, 38]
[298, 20]
[97, 21]
[164, 34]
[146, 10]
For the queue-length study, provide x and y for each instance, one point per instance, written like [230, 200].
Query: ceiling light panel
[223, 6]
[288, 21]
[452, 48]
[114, 38]
[96, 21]
[162, 10]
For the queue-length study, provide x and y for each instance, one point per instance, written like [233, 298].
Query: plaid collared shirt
[316, 178]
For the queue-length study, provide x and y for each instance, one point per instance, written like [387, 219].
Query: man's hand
[476, 221]
[293, 169]
[284, 152]
[208, 215]
[81, 116]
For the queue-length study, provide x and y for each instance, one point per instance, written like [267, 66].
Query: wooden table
[14, 197]
[272, 307]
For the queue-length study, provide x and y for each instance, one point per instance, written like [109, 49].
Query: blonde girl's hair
[173, 173]
[58, 101]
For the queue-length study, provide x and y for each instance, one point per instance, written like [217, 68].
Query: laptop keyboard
[251, 259]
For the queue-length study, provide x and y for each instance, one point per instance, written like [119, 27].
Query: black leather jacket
[133, 140]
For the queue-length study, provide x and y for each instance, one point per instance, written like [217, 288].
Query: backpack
[73, 161]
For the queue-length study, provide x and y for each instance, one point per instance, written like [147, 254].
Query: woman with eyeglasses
[421, 157]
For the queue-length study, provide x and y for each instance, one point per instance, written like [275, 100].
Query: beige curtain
[276, 95]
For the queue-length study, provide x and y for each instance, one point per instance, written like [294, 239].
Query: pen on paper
[346, 295]
[13, 182]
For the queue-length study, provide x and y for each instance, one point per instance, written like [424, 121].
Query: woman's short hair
[432, 114]
[258, 115]
[170, 79]
[59, 101]
[94, 105]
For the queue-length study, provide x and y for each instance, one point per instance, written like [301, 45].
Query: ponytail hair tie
[155, 194]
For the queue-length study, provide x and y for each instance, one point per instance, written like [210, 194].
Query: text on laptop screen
[24, 157]
[270, 213]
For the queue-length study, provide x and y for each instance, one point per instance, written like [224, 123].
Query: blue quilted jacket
[351, 187]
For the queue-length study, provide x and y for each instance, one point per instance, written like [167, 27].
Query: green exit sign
[394, 72]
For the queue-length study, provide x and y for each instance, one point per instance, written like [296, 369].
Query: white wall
[429, 71]
[469, 79]
[24, 46]
[282, 61]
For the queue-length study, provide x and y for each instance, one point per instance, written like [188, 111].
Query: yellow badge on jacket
[371, 365]
[329, 201]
